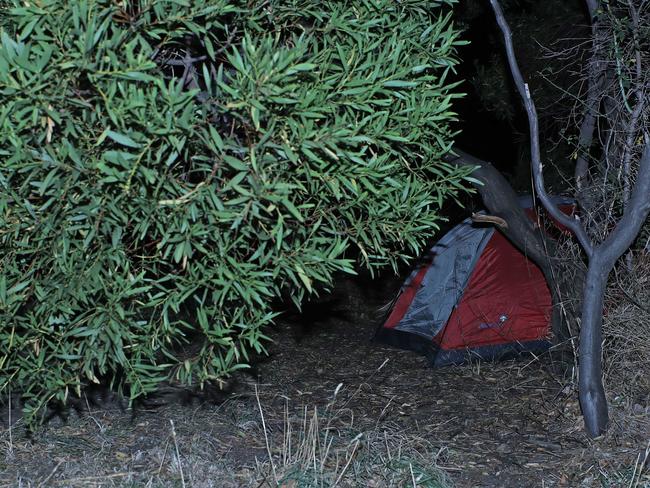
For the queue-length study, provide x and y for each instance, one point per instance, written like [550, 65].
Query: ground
[334, 408]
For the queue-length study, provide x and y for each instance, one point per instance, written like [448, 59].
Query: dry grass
[290, 447]
[626, 332]
[636, 476]
[323, 449]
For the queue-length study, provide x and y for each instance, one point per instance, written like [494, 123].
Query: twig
[594, 96]
[162, 461]
[630, 298]
[94, 479]
[11, 438]
[184, 61]
[49, 476]
[638, 468]
[226, 44]
[489, 219]
[266, 437]
[178, 454]
[345, 468]
[538, 176]
[412, 475]
[90, 414]
[186, 196]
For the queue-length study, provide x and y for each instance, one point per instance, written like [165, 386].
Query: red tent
[475, 296]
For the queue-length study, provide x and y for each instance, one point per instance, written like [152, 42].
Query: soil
[508, 424]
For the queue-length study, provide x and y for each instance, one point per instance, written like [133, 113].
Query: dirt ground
[511, 424]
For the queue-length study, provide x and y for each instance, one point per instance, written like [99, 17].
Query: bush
[169, 168]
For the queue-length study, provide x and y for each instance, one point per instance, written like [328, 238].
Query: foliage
[145, 200]
[622, 53]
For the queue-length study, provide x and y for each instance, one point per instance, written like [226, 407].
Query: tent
[474, 296]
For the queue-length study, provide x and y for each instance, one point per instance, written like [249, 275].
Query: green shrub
[143, 202]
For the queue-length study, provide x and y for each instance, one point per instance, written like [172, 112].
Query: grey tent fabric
[454, 258]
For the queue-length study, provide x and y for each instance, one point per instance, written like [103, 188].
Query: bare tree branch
[594, 94]
[490, 219]
[537, 169]
[634, 215]
[601, 257]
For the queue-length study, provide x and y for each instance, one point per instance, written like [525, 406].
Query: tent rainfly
[476, 296]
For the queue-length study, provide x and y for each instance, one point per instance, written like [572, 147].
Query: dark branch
[502, 201]
[537, 169]
[634, 215]
[490, 219]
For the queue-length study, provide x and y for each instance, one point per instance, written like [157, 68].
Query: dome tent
[475, 295]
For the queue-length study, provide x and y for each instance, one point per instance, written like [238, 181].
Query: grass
[637, 476]
[301, 447]
[323, 449]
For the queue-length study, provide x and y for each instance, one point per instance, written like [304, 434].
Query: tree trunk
[601, 257]
[592, 394]
[593, 401]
